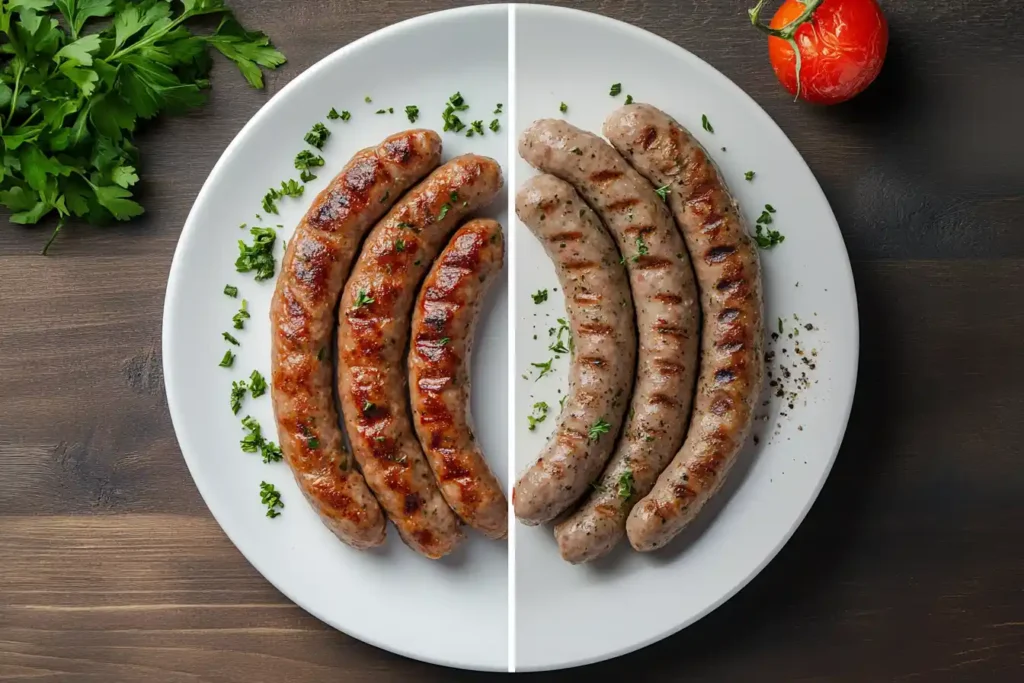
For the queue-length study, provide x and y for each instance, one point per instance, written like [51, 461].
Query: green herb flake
[445, 208]
[306, 160]
[749, 175]
[769, 208]
[257, 385]
[498, 108]
[540, 413]
[317, 135]
[413, 112]
[475, 128]
[495, 126]
[238, 390]
[641, 248]
[563, 107]
[705, 124]
[228, 360]
[625, 486]
[231, 291]
[259, 256]
[230, 339]
[767, 238]
[663, 192]
[615, 90]
[597, 429]
[443, 341]
[345, 116]
[242, 315]
[271, 497]
[367, 99]
[451, 121]
[399, 245]
[381, 111]
[333, 114]
[362, 299]
[629, 99]
[545, 368]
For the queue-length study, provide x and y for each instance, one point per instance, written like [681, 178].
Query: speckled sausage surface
[302, 319]
[728, 273]
[374, 322]
[443, 324]
[600, 313]
[664, 297]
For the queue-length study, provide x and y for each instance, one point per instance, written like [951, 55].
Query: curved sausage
[728, 273]
[443, 323]
[302, 322]
[665, 298]
[374, 322]
[603, 344]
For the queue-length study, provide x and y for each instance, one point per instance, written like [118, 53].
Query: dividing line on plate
[510, 127]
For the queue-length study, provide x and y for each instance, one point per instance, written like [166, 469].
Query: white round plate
[451, 612]
[571, 615]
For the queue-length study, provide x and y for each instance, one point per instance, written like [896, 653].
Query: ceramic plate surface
[452, 612]
[570, 615]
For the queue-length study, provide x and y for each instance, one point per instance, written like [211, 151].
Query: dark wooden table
[909, 567]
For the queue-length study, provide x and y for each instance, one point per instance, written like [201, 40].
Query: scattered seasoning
[597, 429]
[317, 135]
[629, 99]
[540, 296]
[270, 497]
[545, 368]
[259, 256]
[497, 109]
[749, 175]
[495, 126]
[626, 484]
[563, 107]
[663, 192]
[228, 360]
[705, 124]
[238, 390]
[540, 413]
[333, 114]
[413, 112]
[615, 90]
[230, 339]
[242, 315]
[362, 299]
[257, 385]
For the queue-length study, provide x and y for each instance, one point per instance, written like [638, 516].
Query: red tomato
[842, 47]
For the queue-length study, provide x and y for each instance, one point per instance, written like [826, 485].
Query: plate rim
[191, 226]
[635, 32]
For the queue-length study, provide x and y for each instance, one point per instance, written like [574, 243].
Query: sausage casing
[374, 322]
[603, 343]
[443, 324]
[728, 273]
[302, 318]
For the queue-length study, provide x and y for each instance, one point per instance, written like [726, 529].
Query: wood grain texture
[908, 568]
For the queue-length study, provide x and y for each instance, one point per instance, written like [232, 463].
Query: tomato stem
[786, 32]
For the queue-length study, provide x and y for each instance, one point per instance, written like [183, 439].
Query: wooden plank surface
[908, 568]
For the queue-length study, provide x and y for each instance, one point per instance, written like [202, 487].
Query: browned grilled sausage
[728, 274]
[313, 272]
[667, 316]
[443, 323]
[375, 317]
[603, 343]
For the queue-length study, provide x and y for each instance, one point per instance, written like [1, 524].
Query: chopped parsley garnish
[368, 406]
[641, 248]
[317, 135]
[780, 325]
[615, 90]
[495, 126]
[705, 124]
[238, 390]
[270, 497]
[445, 208]
[540, 413]
[231, 291]
[443, 341]
[545, 368]
[391, 110]
[257, 385]
[558, 347]
[271, 452]
[345, 116]
[563, 107]
[305, 161]
[663, 192]
[452, 122]
[597, 429]
[629, 99]
[289, 188]
[399, 244]
[413, 112]
[367, 99]
[626, 484]
[230, 339]
[381, 111]
[259, 256]
[228, 360]
[765, 218]
[254, 441]
[497, 109]
[362, 298]
[561, 402]
[769, 208]
[540, 296]
[333, 114]
[749, 175]
[242, 315]
[563, 327]
[765, 237]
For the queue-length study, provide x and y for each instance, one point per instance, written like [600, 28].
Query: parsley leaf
[259, 256]
[270, 497]
[629, 99]
[495, 126]
[333, 114]
[626, 484]
[705, 124]
[545, 368]
[663, 192]
[413, 112]
[749, 175]
[317, 135]
[228, 360]
[563, 107]
[597, 429]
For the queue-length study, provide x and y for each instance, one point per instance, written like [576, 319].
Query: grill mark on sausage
[666, 328]
[730, 347]
[721, 405]
[596, 361]
[666, 298]
[718, 254]
[638, 230]
[658, 399]
[728, 315]
[605, 176]
[668, 367]
[588, 298]
[646, 137]
[647, 262]
[623, 204]
[578, 265]
[724, 376]
[567, 236]
[596, 329]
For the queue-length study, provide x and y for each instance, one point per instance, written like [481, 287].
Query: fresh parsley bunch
[71, 98]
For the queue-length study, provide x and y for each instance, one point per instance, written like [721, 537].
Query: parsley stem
[53, 236]
[188, 14]
[19, 70]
